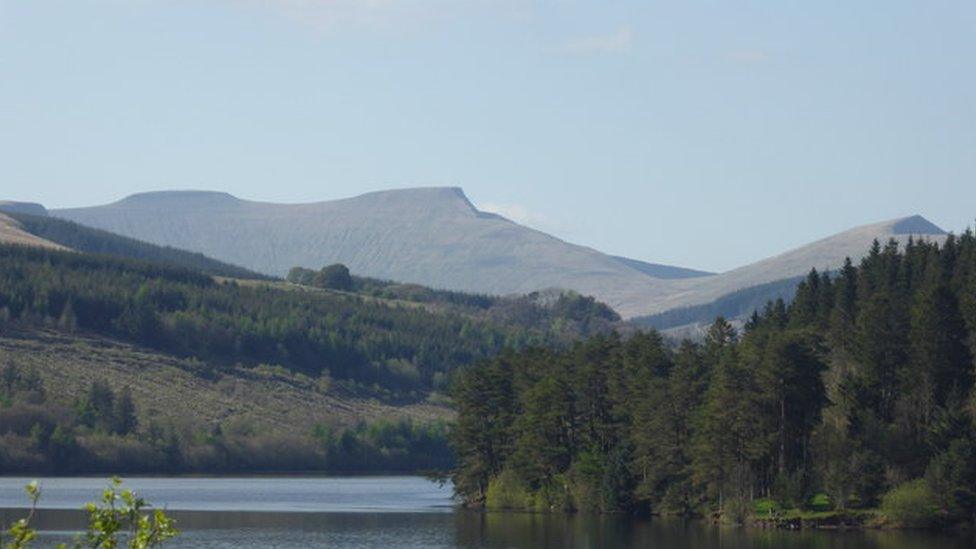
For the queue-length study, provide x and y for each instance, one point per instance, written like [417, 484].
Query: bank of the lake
[408, 512]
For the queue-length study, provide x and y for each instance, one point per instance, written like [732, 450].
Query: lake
[407, 512]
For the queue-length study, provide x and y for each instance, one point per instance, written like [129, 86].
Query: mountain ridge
[435, 236]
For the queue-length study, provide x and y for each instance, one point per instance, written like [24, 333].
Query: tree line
[858, 393]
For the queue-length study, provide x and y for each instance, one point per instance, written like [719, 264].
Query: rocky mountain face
[436, 237]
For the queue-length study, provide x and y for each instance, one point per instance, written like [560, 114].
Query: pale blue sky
[704, 134]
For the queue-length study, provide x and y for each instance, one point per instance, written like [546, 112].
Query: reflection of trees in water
[515, 529]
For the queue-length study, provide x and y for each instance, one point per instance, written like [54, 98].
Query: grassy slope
[169, 388]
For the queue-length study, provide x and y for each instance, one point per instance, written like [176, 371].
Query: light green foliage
[506, 491]
[910, 505]
[121, 518]
[20, 533]
[765, 507]
[820, 502]
[122, 512]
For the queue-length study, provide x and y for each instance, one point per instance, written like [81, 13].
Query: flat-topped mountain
[434, 236]
[430, 236]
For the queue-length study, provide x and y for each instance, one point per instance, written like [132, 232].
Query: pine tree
[790, 378]
[486, 413]
[544, 431]
[844, 312]
[124, 414]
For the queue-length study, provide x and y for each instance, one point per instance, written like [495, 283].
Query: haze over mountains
[436, 237]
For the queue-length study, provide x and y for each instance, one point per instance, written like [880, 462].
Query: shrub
[507, 491]
[820, 502]
[910, 505]
[765, 507]
[735, 510]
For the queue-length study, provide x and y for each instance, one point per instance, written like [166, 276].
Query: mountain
[434, 236]
[429, 236]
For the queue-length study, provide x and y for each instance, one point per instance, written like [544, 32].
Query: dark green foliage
[388, 446]
[332, 277]
[186, 313]
[96, 241]
[858, 393]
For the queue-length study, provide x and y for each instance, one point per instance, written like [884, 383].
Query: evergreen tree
[124, 419]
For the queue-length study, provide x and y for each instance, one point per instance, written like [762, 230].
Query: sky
[701, 134]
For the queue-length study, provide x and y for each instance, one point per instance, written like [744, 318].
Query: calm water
[407, 512]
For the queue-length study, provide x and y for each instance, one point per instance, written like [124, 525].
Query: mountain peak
[430, 199]
[917, 225]
[451, 194]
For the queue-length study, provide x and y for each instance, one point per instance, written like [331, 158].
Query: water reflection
[584, 532]
[464, 529]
